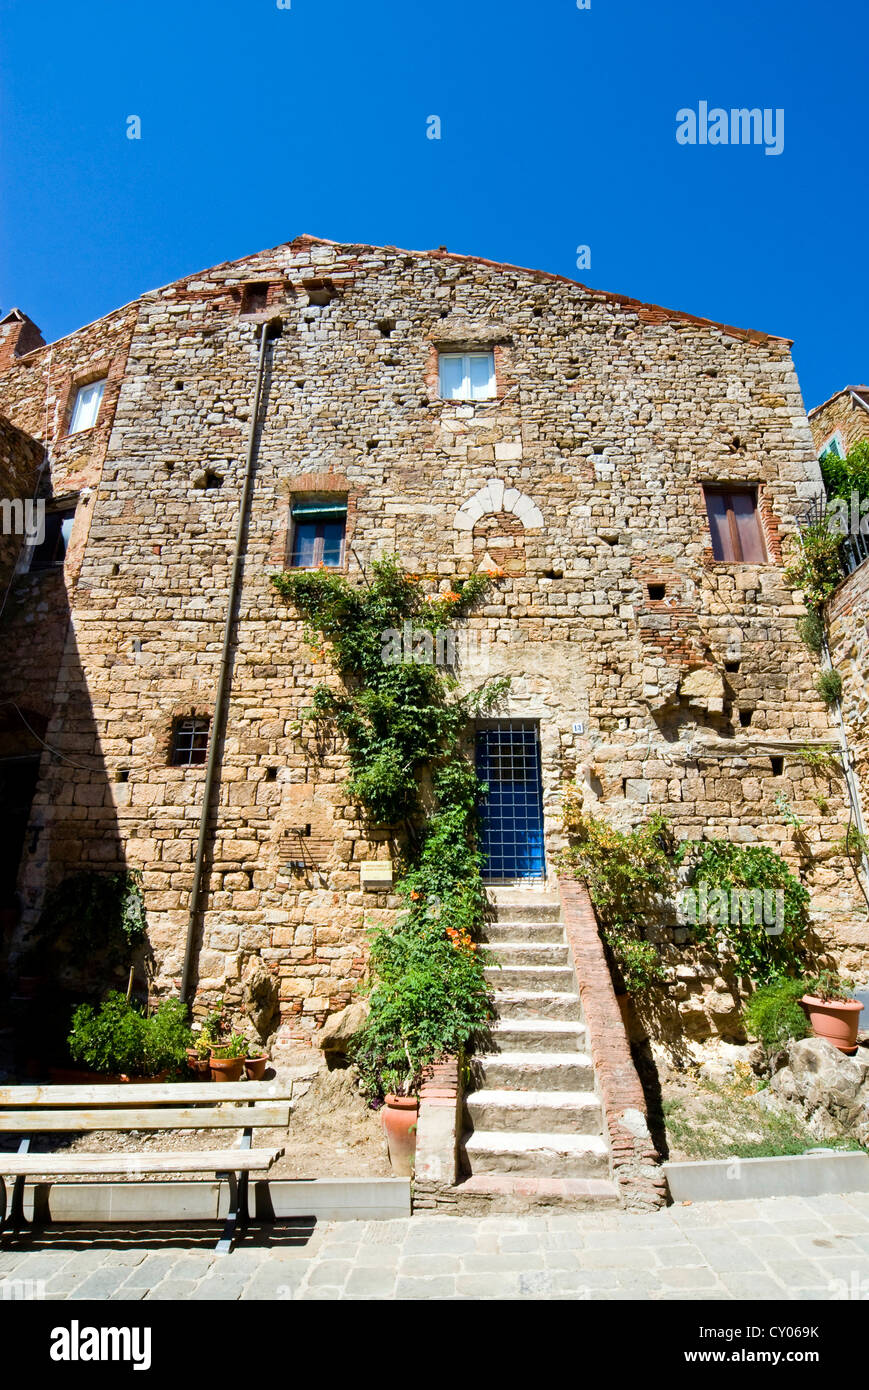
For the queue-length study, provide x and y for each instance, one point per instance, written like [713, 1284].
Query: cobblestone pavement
[781, 1248]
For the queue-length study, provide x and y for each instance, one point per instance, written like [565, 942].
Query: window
[834, 447]
[734, 524]
[318, 534]
[254, 298]
[189, 741]
[467, 376]
[51, 550]
[86, 407]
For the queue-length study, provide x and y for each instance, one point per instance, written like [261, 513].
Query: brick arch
[497, 498]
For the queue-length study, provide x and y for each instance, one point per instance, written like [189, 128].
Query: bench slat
[146, 1093]
[79, 1165]
[56, 1121]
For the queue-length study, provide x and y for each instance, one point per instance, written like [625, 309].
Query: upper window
[834, 446]
[467, 376]
[318, 534]
[87, 406]
[189, 742]
[254, 298]
[734, 524]
[51, 550]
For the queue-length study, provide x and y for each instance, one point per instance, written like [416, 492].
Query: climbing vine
[403, 721]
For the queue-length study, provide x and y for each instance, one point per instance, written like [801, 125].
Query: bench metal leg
[2, 1208]
[238, 1216]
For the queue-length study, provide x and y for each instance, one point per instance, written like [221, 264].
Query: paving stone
[372, 1283]
[172, 1290]
[752, 1285]
[441, 1287]
[331, 1272]
[102, 1283]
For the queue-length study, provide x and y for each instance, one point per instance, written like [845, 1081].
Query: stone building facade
[642, 665]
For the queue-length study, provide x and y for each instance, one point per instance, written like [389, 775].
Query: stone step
[536, 1034]
[533, 1071]
[557, 977]
[537, 1003]
[530, 912]
[529, 932]
[492, 1193]
[535, 1112]
[524, 953]
[542, 1155]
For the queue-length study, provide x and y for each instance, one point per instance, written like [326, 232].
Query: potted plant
[199, 1057]
[119, 1041]
[399, 1117]
[832, 1010]
[255, 1064]
[227, 1060]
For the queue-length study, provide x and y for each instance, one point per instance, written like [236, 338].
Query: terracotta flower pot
[200, 1067]
[399, 1118]
[256, 1067]
[835, 1020]
[226, 1068]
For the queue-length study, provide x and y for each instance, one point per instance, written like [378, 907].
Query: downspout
[215, 742]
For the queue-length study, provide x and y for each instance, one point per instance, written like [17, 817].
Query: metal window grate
[189, 742]
[508, 760]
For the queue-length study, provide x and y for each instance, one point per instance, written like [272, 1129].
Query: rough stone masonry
[582, 478]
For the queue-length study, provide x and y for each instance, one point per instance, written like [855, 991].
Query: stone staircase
[534, 1124]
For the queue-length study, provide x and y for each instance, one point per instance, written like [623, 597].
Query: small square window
[189, 741]
[467, 376]
[734, 524]
[86, 406]
[318, 534]
[50, 553]
[254, 298]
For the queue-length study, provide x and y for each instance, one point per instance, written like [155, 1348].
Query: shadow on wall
[59, 820]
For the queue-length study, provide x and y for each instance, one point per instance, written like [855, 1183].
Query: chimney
[18, 334]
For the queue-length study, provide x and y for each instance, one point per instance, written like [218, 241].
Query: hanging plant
[403, 722]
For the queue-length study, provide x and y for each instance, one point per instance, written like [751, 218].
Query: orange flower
[415, 895]
[451, 597]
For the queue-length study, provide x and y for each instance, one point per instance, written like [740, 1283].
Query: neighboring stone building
[842, 421]
[633, 470]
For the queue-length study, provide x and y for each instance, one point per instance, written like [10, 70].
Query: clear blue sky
[558, 129]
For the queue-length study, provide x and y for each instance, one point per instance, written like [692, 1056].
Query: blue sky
[558, 130]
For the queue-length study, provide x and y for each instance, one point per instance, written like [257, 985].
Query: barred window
[189, 741]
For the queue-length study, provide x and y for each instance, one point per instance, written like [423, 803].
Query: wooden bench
[246, 1105]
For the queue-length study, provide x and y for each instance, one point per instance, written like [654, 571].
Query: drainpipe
[218, 722]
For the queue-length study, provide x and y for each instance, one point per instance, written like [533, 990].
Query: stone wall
[584, 474]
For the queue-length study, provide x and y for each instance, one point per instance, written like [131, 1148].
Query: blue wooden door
[508, 760]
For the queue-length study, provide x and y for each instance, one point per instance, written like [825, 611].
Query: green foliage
[810, 629]
[820, 760]
[233, 1048]
[816, 568]
[404, 723]
[829, 686]
[773, 1013]
[722, 868]
[96, 914]
[625, 872]
[842, 476]
[786, 810]
[119, 1039]
[396, 715]
[428, 998]
[830, 987]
